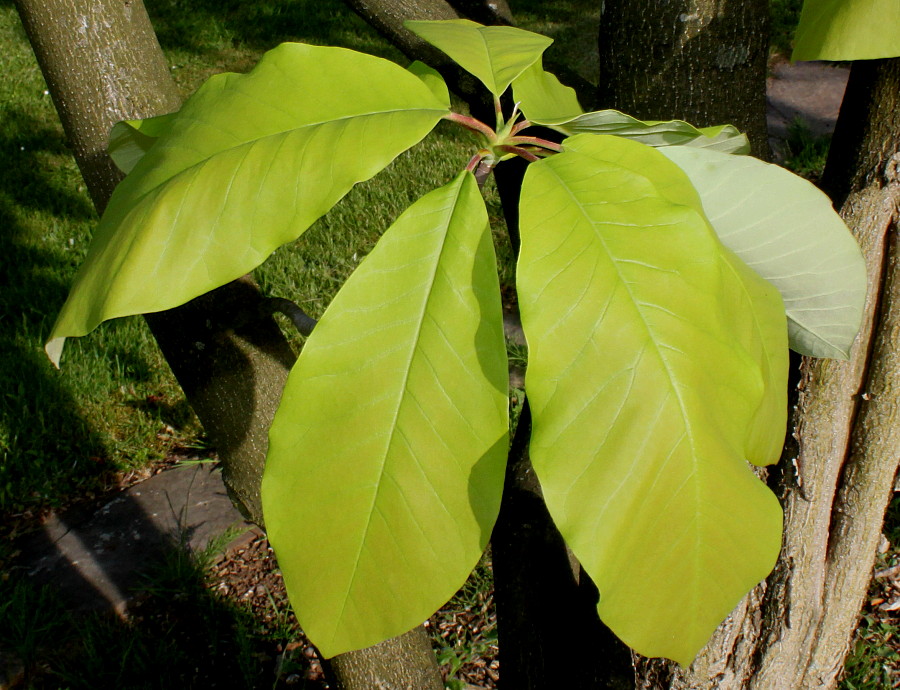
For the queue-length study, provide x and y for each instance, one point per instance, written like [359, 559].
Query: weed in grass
[805, 152]
[874, 660]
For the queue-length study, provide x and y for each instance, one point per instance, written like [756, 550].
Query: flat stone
[97, 559]
[811, 91]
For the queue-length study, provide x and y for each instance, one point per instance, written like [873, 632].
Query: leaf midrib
[681, 404]
[252, 142]
[390, 439]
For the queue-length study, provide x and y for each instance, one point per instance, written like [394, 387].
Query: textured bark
[102, 63]
[795, 630]
[401, 663]
[702, 61]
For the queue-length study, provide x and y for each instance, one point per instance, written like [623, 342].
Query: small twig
[301, 320]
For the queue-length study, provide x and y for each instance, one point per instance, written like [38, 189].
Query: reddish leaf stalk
[534, 141]
[472, 125]
[520, 151]
[519, 126]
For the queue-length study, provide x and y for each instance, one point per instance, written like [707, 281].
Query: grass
[179, 636]
[62, 433]
[783, 17]
[115, 408]
[805, 152]
[874, 660]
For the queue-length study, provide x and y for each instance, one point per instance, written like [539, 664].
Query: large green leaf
[848, 30]
[544, 101]
[247, 164]
[494, 54]
[657, 368]
[387, 454]
[786, 230]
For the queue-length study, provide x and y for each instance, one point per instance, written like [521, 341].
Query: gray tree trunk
[702, 61]
[103, 64]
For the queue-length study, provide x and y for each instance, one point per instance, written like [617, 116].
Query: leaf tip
[54, 348]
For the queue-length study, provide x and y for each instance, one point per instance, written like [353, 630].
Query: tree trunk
[102, 64]
[702, 61]
[794, 630]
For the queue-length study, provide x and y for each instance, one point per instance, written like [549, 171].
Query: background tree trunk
[702, 61]
[103, 64]
[795, 629]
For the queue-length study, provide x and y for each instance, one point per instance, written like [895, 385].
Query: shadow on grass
[198, 25]
[177, 633]
[41, 431]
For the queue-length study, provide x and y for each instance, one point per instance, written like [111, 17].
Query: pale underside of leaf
[129, 140]
[656, 370]
[724, 138]
[786, 230]
[848, 30]
[389, 446]
[247, 164]
[494, 54]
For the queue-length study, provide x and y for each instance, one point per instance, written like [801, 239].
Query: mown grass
[115, 407]
[61, 432]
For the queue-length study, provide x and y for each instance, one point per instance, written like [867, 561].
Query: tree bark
[103, 63]
[702, 61]
[794, 630]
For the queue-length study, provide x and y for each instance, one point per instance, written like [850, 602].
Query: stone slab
[98, 558]
[811, 91]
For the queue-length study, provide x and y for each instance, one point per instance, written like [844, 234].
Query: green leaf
[389, 446]
[657, 368]
[725, 138]
[129, 140]
[247, 164]
[848, 30]
[433, 80]
[543, 99]
[494, 54]
[786, 230]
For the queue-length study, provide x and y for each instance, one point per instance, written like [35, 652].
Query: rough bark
[702, 61]
[795, 630]
[401, 663]
[102, 64]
